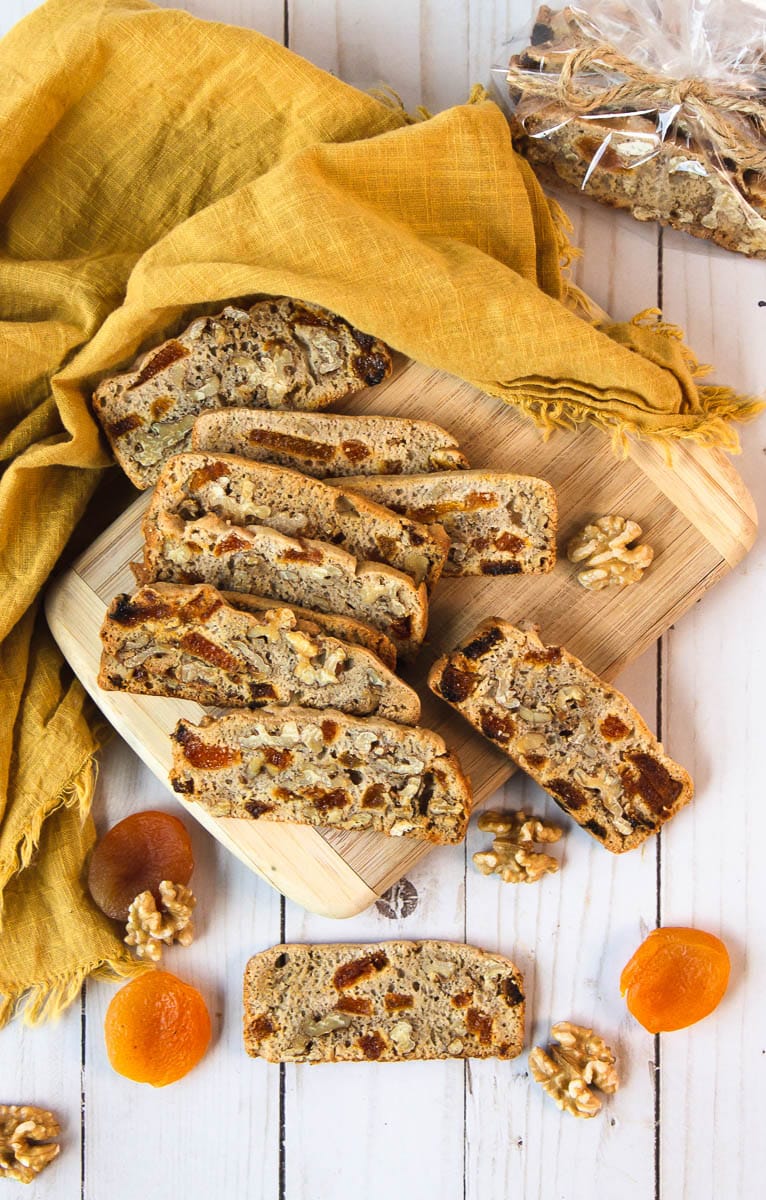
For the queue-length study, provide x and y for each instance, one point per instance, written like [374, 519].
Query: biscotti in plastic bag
[658, 108]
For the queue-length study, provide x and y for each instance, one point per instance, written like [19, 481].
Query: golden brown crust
[330, 445]
[328, 768]
[278, 353]
[246, 493]
[190, 642]
[577, 737]
[384, 1002]
[497, 523]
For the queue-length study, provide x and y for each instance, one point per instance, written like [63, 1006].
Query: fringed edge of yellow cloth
[77, 791]
[48, 1000]
[712, 428]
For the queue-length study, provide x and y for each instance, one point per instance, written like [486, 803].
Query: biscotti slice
[278, 353]
[330, 445]
[310, 621]
[255, 494]
[298, 570]
[187, 641]
[577, 737]
[383, 1001]
[292, 764]
[498, 524]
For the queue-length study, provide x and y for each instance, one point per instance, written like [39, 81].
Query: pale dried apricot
[156, 1029]
[135, 856]
[676, 977]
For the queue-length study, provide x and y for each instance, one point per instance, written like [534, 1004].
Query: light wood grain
[696, 516]
[715, 706]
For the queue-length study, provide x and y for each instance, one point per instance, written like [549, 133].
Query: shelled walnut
[26, 1147]
[149, 927]
[512, 856]
[604, 549]
[568, 1071]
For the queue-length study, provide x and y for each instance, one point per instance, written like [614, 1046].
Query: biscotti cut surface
[382, 1001]
[187, 641]
[497, 523]
[310, 621]
[325, 444]
[254, 494]
[298, 570]
[579, 738]
[279, 353]
[292, 764]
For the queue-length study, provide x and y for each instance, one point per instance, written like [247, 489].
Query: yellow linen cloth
[153, 162]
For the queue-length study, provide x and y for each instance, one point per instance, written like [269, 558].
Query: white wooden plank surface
[480, 1131]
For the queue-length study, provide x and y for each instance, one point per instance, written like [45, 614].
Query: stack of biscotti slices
[252, 527]
[276, 588]
[497, 523]
[278, 353]
[332, 740]
[192, 642]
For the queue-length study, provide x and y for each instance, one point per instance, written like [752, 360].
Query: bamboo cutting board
[697, 515]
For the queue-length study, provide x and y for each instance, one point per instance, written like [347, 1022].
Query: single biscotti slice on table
[384, 1001]
[497, 523]
[328, 444]
[310, 621]
[577, 737]
[187, 641]
[301, 571]
[278, 353]
[253, 494]
[292, 764]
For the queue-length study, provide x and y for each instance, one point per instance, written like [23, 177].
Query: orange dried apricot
[156, 1029]
[135, 856]
[676, 977]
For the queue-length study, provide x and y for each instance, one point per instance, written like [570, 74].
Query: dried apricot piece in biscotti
[676, 977]
[156, 1029]
[135, 856]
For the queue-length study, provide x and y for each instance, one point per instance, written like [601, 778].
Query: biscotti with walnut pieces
[577, 737]
[658, 165]
[278, 353]
[188, 642]
[497, 523]
[256, 494]
[294, 764]
[300, 571]
[329, 444]
[382, 1002]
[345, 628]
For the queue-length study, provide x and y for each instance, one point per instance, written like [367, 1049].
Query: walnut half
[512, 856]
[148, 927]
[605, 553]
[25, 1141]
[568, 1071]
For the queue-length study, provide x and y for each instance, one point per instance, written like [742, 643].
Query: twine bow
[713, 108]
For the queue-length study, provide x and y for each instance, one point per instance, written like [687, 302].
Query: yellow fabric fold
[153, 165]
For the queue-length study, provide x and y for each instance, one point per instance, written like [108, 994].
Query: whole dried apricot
[676, 977]
[135, 856]
[156, 1029]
